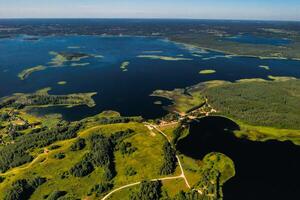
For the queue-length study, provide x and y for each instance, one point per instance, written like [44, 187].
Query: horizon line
[145, 18]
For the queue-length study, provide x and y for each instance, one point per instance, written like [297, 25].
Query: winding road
[150, 127]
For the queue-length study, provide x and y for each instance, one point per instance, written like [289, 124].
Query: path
[182, 175]
[24, 167]
[177, 157]
[137, 183]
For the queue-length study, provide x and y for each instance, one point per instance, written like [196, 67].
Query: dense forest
[170, 160]
[18, 153]
[272, 103]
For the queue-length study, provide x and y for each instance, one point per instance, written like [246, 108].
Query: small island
[264, 67]
[166, 58]
[42, 98]
[27, 72]
[207, 71]
[124, 66]
[61, 82]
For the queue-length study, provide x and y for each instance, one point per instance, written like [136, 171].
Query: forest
[268, 103]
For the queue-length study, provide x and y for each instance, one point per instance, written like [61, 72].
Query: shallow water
[126, 92]
[264, 170]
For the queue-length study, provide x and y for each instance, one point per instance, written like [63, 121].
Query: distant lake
[127, 92]
[251, 39]
[264, 170]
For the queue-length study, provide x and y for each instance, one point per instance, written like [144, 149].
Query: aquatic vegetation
[264, 67]
[79, 64]
[218, 56]
[152, 52]
[167, 58]
[197, 55]
[74, 47]
[27, 72]
[207, 71]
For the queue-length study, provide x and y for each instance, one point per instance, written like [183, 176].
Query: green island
[59, 60]
[264, 67]
[207, 71]
[124, 66]
[167, 58]
[27, 72]
[61, 82]
[42, 98]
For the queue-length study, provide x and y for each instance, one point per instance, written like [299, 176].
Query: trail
[182, 175]
[35, 160]
[137, 183]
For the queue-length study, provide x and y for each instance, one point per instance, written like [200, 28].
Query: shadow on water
[264, 170]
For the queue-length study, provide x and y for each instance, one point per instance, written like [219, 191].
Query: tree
[148, 190]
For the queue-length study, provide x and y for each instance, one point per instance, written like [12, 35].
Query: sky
[195, 9]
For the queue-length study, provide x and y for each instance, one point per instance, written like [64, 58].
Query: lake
[264, 170]
[126, 92]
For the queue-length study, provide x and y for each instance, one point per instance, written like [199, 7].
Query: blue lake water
[126, 92]
[251, 39]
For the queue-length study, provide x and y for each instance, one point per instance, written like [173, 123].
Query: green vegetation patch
[27, 72]
[167, 58]
[80, 64]
[271, 103]
[62, 83]
[184, 100]
[42, 98]
[124, 66]
[264, 67]
[207, 71]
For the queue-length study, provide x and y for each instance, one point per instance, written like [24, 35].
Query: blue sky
[203, 9]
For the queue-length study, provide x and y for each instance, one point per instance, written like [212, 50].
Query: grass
[207, 71]
[183, 99]
[146, 161]
[263, 133]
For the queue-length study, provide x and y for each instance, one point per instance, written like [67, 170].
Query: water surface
[126, 92]
[264, 170]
